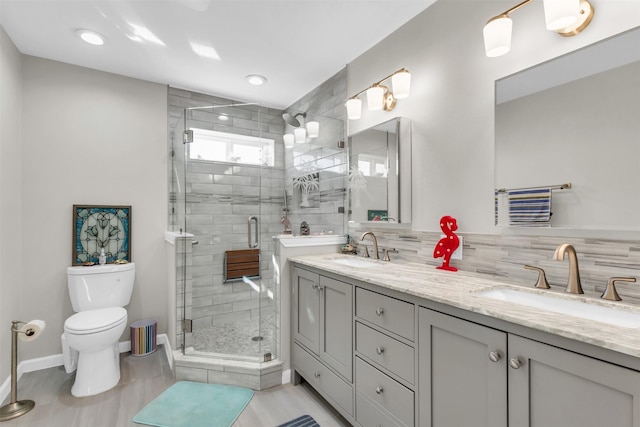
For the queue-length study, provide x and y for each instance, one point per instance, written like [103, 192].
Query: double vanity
[404, 344]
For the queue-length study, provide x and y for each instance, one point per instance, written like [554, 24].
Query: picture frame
[101, 226]
[377, 215]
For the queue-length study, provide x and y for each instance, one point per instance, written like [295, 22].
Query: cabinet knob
[379, 390]
[379, 311]
[494, 356]
[515, 363]
[380, 350]
[316, 374]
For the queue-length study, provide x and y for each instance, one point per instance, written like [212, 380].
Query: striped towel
[529, 206]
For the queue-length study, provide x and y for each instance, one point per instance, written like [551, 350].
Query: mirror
[574, 119]
[380, 173]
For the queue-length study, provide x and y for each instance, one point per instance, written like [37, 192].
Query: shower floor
[235, 337]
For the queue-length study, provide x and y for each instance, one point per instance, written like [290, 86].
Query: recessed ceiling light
[223, 117]
[256, 79]
[91, 37]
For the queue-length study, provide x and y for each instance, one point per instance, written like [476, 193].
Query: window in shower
[231, 148]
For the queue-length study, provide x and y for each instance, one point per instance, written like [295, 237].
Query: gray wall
[452, 112]
[11, 281]
[452, 101]
[94, 138]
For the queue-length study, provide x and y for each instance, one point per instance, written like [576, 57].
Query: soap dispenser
[102, 259]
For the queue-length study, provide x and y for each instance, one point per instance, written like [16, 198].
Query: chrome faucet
[375, 243]
[573, 284]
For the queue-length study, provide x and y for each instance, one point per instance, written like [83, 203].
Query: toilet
[90, 342]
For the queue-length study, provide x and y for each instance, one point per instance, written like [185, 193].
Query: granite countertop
[460, 289]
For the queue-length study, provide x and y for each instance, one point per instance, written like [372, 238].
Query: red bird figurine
[448, 244]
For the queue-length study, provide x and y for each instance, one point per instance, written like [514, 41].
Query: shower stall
[233, 186]
[226, 193]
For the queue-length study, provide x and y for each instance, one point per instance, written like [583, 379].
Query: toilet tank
[100, 286]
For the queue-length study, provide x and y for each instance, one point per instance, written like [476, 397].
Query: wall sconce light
[289, 139]
[565, 17]
[379, 97]
[300, 133]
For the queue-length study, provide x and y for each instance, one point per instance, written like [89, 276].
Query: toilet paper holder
[28, 331]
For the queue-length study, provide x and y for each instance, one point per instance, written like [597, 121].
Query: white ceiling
[295, 44]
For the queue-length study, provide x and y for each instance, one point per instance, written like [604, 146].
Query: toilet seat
[93, 321]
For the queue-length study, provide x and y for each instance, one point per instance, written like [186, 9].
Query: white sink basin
[355, 262]
[571, 307]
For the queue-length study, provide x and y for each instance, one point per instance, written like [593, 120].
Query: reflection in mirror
[576, 121]
[380, 173]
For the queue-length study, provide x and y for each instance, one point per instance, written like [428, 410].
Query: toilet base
[97, 371]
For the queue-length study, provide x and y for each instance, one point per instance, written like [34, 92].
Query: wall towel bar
[551, 187]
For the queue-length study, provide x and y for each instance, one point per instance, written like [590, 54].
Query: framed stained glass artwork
[97, 227]
[377, 215]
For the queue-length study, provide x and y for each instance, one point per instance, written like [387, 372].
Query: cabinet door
[306, 310]
[336, 317]
[459, 385]
[558, 388]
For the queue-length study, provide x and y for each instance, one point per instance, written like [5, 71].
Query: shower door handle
[253, 219]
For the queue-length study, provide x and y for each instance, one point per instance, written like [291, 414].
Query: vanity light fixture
[302, 130]
[289, 140]
[379, 97]
[565, 17]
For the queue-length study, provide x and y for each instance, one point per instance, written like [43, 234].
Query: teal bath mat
[192, 404]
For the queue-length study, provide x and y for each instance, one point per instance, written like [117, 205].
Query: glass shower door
[229, 175]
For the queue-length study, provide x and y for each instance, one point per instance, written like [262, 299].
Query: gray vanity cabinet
[552, 387]
[459, 384]
[466, 373]
[323, 335]
[385, 360]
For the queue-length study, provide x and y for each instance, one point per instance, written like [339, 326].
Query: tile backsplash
[505, 256]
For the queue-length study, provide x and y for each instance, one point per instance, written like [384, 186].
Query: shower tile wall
[219, 200]
[324, 104]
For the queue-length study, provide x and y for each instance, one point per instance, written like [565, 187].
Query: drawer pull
[494, 356]
[379, 350]
[316, 374]
[379, 311]
[515, 363]
[379, 390]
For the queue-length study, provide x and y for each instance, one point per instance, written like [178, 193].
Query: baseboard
[47, 362]
[286, 376]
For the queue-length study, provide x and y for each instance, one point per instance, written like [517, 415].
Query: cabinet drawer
[385, 391]
[388, 313]
[370, 414]
[389, 353]
[323, 379]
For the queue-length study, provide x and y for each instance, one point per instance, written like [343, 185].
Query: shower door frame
[255, 284]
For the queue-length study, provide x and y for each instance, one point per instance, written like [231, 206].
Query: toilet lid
[91, 321]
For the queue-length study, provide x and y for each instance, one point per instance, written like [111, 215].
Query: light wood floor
[143, 379]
